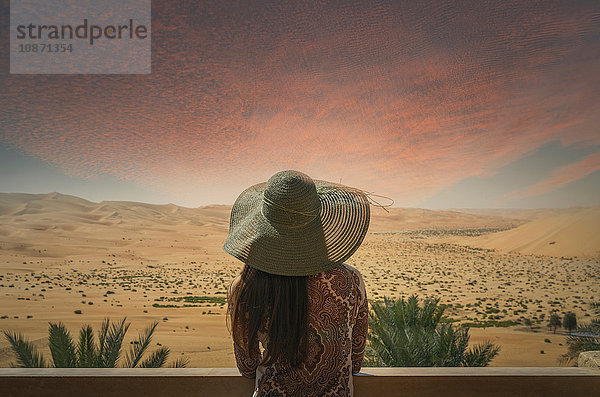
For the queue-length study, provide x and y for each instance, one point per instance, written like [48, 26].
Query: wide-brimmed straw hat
[293, 225]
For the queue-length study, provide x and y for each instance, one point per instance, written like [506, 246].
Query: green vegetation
[445, 320]
[569, 321]
[168, 306]
[194, 299]
[205, 299]
[554, 322]
[190, 301]
[586, 338]
[86, 353]
[404, 333]
[490, 323]
[449, 232]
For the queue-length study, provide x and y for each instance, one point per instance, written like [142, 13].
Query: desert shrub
[554, 321]
[569, 321]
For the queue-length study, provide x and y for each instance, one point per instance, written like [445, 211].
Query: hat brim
[329, 239]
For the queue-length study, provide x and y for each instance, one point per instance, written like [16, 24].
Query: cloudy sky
[436, 104]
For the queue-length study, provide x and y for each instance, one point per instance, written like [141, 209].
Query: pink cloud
[404, 101]
[560, 177]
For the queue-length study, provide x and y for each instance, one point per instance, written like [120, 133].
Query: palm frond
[451, 345]
[61, 346]
[65, 354]
[139, 347]
[86, 349]
[481, 355]
[179, 363]
[27, 354]
[565, 360]
[372, 359]
[102, 333]
[586, 338]
[157, 359]
[113, 343]
[578, 344]
[405, 333]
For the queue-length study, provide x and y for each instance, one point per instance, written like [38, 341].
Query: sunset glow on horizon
[434, 104]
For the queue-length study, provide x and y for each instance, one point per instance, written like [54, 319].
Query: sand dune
[23, 215]
[517, 213]
[59, 226]
[48, 219]
[410, 219]
[60, 255]
[58, 207]
[573, 233]
[58, 211]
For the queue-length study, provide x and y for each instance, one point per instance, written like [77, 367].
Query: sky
[435, 104]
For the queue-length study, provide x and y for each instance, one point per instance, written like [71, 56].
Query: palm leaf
[102, 342]
[578, 344]
[113, 343]
[586, 338]
[157, 359]
[86, 354]
[405, 333]
[481, 355]
[180, 363]
[86, 349]
[61, 346]
[27, 354]
[139, 347]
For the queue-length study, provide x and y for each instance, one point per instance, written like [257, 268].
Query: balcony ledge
[380, 382]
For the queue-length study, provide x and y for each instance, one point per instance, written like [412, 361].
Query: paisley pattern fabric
[337, 328]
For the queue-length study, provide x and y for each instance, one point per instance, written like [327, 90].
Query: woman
[295, 296]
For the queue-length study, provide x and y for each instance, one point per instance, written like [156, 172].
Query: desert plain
[63, 258]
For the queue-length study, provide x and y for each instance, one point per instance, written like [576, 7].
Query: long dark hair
[277, 304]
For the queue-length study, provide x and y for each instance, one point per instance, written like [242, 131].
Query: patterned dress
[337, 330]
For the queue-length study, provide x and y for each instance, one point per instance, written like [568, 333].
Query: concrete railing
[379, 382]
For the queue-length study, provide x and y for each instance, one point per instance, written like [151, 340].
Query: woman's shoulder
[342, 281]
[356, 276]
[351, 269]
[343, 272]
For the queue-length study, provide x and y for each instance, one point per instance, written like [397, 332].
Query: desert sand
[573, 233]
[60, 254]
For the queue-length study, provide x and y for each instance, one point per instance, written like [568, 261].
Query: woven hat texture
[293, 225]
